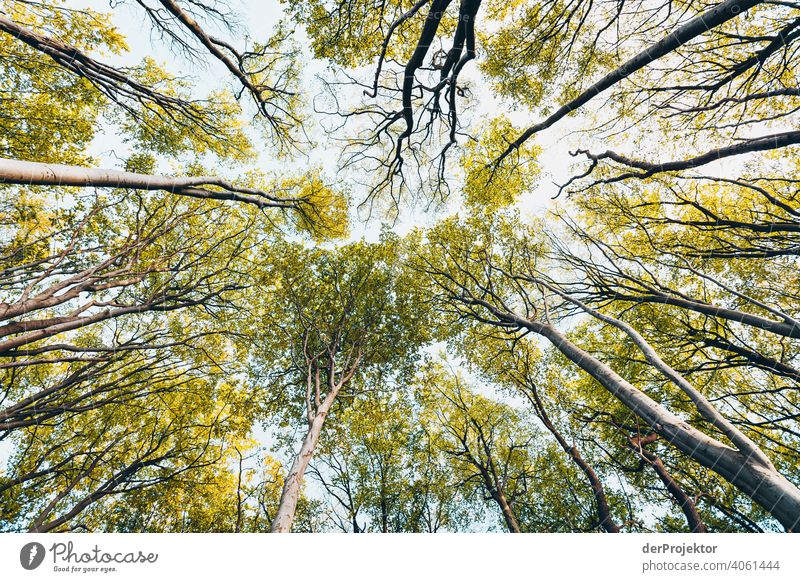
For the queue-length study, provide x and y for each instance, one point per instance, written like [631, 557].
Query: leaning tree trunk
[747, 469]
[605, 519]
[750, 474]
[699, 25]
[205, 187]
[682, 499]
[499, 496]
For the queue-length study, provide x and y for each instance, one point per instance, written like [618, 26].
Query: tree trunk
[508, 514]
[768, 488]
[290, 495]
[603, 510]
[695, 27]
[384, 515]
[762, 483]
[294, 480]
[684, 501]
[41, 174]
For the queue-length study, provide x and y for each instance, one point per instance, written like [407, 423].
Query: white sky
[257, 19]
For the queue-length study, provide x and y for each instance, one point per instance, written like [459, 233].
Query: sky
[256, 18]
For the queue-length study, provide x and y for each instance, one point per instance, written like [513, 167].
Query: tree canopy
[400, 266]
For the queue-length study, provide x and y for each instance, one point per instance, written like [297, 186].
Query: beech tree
[96, 261]
[336, 318]
[384, 467]
[486, 451]
[493, 277]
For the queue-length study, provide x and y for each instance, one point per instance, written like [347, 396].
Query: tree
[161, 121]
[98, 264]
[709, 67]
[488, 446]
[336, 317]
[492, 277]
[382, 464]
[516, 366]
[180, 429]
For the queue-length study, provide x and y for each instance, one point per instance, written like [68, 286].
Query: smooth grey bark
[747, 146]
[42, 174]
[761, 482]
[317, 410]
[294, 480]
[117, 84]
[749, 470]
[704, 407]
[785, 328]
[498, 495]
[695, 27]
[508, 513]
[217, 47]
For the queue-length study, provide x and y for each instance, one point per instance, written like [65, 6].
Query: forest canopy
[400, 266]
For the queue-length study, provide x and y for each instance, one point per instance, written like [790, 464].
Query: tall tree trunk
[294, 480]
[508, 513]
[497, 493]
[605, 520]
[759, 481]
[317, 410]
[39, 173]
[693, 28]
[684, 501]
[749, 469]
